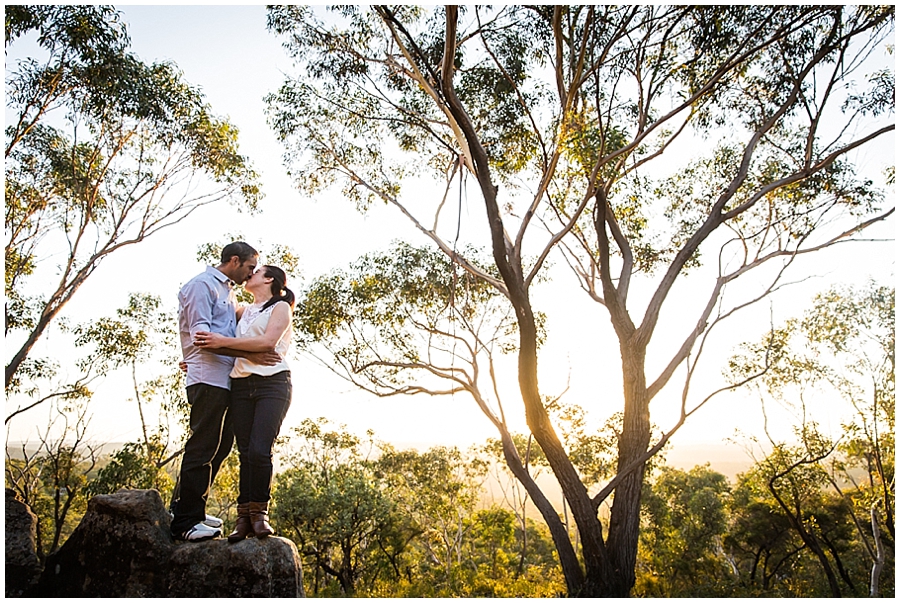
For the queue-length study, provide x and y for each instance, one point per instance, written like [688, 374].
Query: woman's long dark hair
[280, 292]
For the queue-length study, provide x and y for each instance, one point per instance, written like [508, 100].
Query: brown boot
[259, 519]
[242, 527]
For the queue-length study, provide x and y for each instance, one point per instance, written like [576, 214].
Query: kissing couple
[238, 388]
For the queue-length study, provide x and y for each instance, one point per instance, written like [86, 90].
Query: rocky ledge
[123, 548]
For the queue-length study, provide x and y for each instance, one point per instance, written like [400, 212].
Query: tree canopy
[562, 115]
[103, 151]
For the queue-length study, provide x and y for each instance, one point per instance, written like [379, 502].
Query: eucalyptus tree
[102, 151]
[843, 349]
[686, 517]
[855, 328]
[794, 478]
[571, 109]
[760, 539]
[332, 501]
[438, 491]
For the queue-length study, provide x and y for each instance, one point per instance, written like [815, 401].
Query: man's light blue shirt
[206, 303]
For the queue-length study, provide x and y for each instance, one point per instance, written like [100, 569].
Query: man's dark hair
[240, 249]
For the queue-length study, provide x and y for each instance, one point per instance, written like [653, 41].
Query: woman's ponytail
[288, 296]
[280, 292]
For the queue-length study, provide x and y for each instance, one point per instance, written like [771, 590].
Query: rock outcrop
[120, 549]
[123, 548]
[268, 567]
[23, 567]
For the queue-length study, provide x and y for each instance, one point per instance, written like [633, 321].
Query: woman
[260, 395]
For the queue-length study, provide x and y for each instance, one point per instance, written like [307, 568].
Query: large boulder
[123, 548]
[120, 549]
[268, 567]
[23, 567]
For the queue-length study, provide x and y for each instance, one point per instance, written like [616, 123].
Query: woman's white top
[253, 323]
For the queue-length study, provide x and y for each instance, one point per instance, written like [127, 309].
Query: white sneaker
[201, 532]
[213, 521]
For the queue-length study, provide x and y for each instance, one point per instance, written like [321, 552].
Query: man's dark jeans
[258, 407]
[210, 442]
[224, 450]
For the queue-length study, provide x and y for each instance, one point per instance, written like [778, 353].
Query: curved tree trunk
[30, 342]
[809, 540]
[599, 573]
[589, 527]
[568, 559]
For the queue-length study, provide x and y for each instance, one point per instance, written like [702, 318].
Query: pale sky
[227, 52]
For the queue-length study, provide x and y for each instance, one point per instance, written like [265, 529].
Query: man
[207, 303]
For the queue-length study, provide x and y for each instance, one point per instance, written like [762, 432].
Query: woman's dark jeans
[258, 407]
